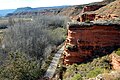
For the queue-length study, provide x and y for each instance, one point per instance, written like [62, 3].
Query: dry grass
[112, 8]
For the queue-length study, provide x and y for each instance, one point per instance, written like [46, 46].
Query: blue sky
[13, 4]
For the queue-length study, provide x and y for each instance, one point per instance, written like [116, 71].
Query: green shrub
[118, 49]
[95, 72]
[87, 21]
[18, 66]
[118, 52]
[101, 63]
[72, 68]
[58, 35]
[68, 46]
[77, 77]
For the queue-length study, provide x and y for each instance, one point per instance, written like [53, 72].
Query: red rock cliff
[91, 8]
[84, 39]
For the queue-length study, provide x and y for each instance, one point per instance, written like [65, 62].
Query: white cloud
[13, 4]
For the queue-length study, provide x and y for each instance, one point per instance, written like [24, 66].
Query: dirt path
[52, 67]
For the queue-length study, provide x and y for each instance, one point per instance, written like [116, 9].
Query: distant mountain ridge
[60, 10]
[34, 11]
[23, 9]
[6, 11]
[27, 9]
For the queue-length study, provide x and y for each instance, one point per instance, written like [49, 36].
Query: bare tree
[35, 38]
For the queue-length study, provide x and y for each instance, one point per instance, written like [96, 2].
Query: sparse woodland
[28, 44]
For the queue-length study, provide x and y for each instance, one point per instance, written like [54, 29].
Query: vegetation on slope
[18, 66]
[87, 70]
[98, 67]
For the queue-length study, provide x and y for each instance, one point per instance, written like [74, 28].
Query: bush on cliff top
[118, 52]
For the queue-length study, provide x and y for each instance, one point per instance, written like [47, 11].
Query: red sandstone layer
[83, 41]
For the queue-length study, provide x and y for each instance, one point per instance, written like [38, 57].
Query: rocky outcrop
[70, 11]
[83, 17]
[112, 8]
[115, 61]
[85, 39]
[100, 11]
[94, 17]
[106, 17]
[91, 8]
[86, 17]
[75, 11]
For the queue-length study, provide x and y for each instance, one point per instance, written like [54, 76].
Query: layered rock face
[100, 12]
[115, 61]
[86, 39]
[112, 8]
[86, 17]
[94, 17]
[83, 16]
[106, 17]
[91, 8]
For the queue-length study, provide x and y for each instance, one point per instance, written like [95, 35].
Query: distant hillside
[108, 1]
[112, 8]
[76, 10]
[29, 9]
[55, 10]
[23, 9]
[71, 11]
[34, 11]
[6, 11]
